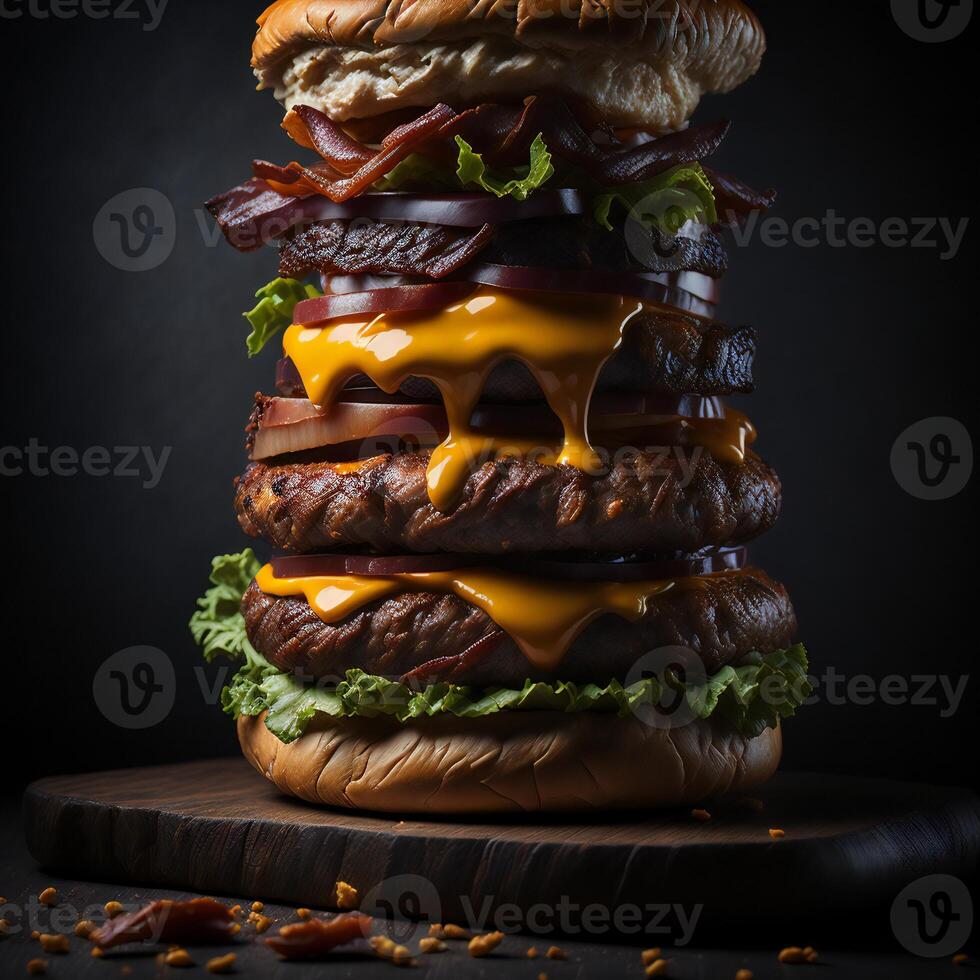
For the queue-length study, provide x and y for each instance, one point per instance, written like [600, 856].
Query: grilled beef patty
[646, 503]
[435, 637]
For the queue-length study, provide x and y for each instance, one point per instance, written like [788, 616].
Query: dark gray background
[848, 113]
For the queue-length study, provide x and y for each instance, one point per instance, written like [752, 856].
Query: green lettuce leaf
[274, 311]
[681, 194]
[217, 626]
[752, 696]
[244, 695]
[470, 169]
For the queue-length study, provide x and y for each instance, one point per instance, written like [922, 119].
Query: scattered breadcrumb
[401, 955]
[36, 967]
[222, 964]
[776, 834]
[702, 816]
[35, 934]
[178, 957]
[649, 955]
[658, 968]
[257, 906]
[532, 953]
[346, 895]
[235, 910]
[112, 909]
[303, 913]
[811, 954]
[744, 974]
[961, 959]
[432, 945]
[542, 976]
[556, 953]
[451, 931]
[485, 945]
[97, 952]
[48, 897]
[83, 927]
[388, 949]
[261, 922]
[54, 943]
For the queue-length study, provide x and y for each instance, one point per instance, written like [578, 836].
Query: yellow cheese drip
[542, 617]
[563, 339]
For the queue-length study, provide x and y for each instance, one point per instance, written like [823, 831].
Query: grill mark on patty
[644, 503]
[733, 615]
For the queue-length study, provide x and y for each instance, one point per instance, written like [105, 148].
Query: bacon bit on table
[197, 922]
[315, 937]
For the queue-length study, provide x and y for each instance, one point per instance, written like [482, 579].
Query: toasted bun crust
[509, 762]
[396, 55]
[682, 30]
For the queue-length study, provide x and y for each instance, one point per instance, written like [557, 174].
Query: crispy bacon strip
[735, 199]
[317, 937]
[314, 129]
[249, 214]
[399, 143]
[649, 159]
[201, 921]
[502, 134]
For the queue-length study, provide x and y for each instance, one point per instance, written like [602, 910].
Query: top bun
[641, 63]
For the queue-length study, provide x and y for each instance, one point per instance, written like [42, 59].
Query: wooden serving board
[218, 827]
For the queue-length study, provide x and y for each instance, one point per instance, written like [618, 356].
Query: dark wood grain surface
[216, 826]
[869, 952]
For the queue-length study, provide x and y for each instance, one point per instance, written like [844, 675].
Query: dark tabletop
[21, 881]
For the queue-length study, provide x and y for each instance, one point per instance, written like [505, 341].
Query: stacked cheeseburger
[506, 503]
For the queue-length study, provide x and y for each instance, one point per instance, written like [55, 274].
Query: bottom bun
[509, 762]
